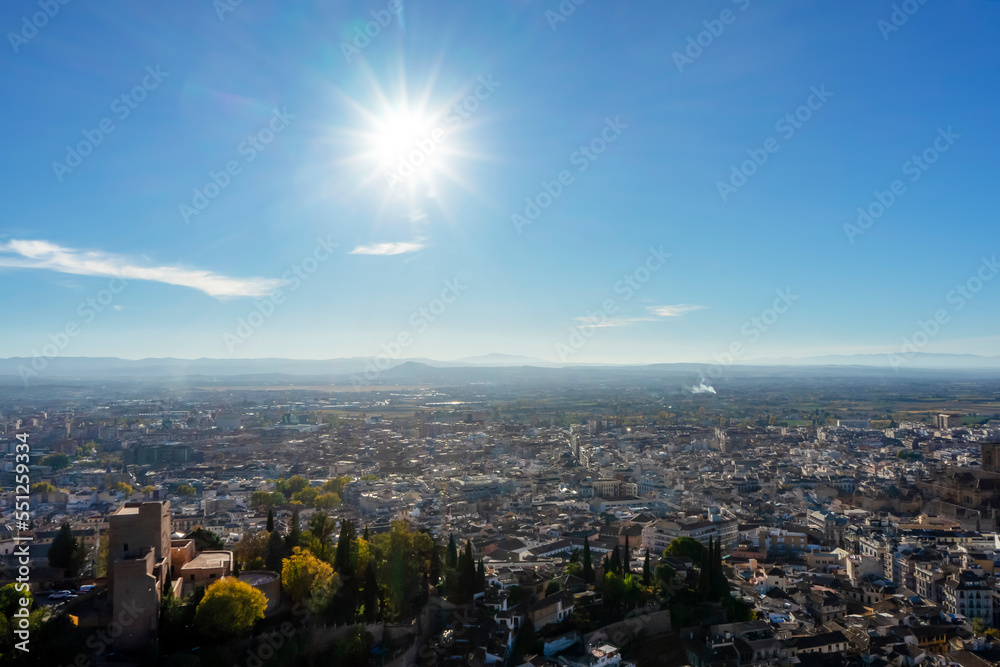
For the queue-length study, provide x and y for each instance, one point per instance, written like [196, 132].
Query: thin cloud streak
[658, 313]
[673, 311]
[39, 254]
[386, 249]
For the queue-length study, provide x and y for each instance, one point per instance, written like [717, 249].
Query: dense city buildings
[446, 525]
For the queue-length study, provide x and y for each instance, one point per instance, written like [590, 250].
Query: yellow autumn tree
[306, 578]
[230, 608]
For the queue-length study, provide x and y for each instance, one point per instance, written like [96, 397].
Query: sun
[398, 134]
[409, 144]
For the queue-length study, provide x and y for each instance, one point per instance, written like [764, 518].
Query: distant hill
[497, 359]
[487, 368]
[918, 360]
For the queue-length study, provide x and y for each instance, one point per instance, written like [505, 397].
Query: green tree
[467, 573]
[267, 499]
[251, 551]
[78, 559]
[404, 567]
[370, 595]
[342, 560]
[294, 537]
[616, 560]
[321, 527]
[588, 567]
[665, 575]
[275, 551]
[295, 484]
[452, 560]
[327, 501]
[186, 491]
[11, 600]
[705, 572]
[229, 609]
[685, 547]
[62, 548]
[205, 540]
[553, 588]
[56, 460]
[270, 520]
[43, 487]
[306, 496]
[336, 485]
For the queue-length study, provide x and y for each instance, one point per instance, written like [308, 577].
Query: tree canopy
[230, 608]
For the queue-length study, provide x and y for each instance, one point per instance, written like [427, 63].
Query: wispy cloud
[400, 248]
[37, 254]
[656, 313]
[673, 311]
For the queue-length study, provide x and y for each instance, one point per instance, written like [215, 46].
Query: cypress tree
[647, 575]
[62, 547]
[270, 520]
[627, 556]
[452, 560]
[342, 560]
[481, 577]
[467, 572]
[294, 536]
[705, 576]
[616, 560]
[275, 552]
[588, 568]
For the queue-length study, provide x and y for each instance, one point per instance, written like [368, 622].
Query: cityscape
[521, 333]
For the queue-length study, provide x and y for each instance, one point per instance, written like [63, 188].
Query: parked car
[60, 595]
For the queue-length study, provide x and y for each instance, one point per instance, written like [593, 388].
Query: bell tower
[991, 456]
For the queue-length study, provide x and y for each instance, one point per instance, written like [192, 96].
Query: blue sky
[312, 123]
